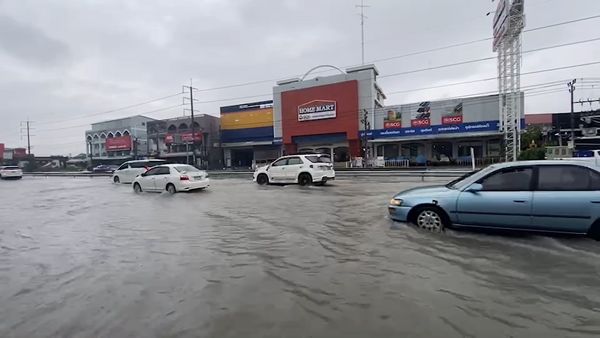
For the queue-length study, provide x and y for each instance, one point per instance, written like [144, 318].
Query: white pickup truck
[586, 155]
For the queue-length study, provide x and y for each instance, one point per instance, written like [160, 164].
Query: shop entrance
[242, 157]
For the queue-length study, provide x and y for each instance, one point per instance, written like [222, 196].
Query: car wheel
[594, 231]
[116, 179]
[262, 179]
[171, 189]
[137, 188]
[430, 218]
[305, 179]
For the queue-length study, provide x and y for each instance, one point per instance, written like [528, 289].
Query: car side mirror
[143, 174]
[475, 188]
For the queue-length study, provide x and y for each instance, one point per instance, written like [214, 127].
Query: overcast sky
[62, 61]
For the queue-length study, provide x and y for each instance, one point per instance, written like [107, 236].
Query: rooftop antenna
[362, 7]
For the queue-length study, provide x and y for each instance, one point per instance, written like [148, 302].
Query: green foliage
[532, 154]
[532, 134]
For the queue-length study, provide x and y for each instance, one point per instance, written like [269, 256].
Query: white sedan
[9, 172]
[171, 178]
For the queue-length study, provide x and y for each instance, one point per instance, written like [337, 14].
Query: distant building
[247, 134]
[119, 140]
[172, 139]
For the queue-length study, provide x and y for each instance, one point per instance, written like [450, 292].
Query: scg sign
[317, 110]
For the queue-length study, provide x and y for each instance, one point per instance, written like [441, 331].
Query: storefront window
[442, 151]
[493, 148]
[413, 151]
[341, 154]
[464, 150]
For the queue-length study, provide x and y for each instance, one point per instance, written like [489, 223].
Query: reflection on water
[82, 257]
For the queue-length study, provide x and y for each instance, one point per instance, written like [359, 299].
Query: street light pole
[571, 86]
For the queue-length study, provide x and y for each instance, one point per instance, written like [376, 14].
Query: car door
[147, 179]
[122, 172]
[504, 200]
[293, 168]
[566, 198]
[161, 178]
[277, 170]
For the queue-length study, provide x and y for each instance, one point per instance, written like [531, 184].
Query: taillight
[184, 178]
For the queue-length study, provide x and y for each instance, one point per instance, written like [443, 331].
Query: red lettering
[452, 119]
[420, 123]
[392, 124]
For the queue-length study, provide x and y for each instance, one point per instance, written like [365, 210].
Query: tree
[531, 137]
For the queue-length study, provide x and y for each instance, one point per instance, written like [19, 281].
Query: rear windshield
[318, 159]
[11, 168]
[185, 168]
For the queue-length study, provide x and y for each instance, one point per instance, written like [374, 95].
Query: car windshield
[319, 159]
[185, 168]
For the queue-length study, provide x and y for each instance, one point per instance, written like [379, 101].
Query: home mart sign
[471, 127]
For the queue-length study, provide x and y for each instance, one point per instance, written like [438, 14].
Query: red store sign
[118, 143]
[420, 123]
[187, 137]
[452, 119]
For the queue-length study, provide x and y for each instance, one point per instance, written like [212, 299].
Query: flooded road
[86, 258]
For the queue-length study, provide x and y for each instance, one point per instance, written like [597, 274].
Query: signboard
[421, 117]
[317, 110]
[118, 143]
[187, 137]
[453, 115]
[392, 118]
[20, 153]
[1, 151]
[500, 24]
[483, 126]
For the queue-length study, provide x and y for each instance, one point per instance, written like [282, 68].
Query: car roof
[150, 160]
[589, 164]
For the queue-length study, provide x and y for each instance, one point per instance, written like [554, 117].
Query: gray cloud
[68, 59]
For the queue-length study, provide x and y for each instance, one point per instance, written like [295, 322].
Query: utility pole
[192, 127]
[571, 86]
[365, 139]
[28, 129]
[362, 7]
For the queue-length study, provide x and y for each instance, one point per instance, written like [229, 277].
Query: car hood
[436, 190]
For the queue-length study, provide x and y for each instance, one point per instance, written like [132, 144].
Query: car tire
[116, 180]
[137, 188]
[430, 218]
[262, 179]
[304, 179]
[594, 231]
[171, 188]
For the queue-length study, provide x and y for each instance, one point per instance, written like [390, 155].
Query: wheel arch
[414, 211]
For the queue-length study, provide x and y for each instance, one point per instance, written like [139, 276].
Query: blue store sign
[471, 127]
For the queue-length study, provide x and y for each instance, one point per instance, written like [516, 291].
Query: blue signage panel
[471, 127]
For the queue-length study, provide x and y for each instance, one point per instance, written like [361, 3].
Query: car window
[139, 165]
[185, 168]
[162, 171]
[123, 166]
[318, 159]
[294, 161]
[565, 178]
[279, 163]
[11, 168]
[511, 179]
[153, 171]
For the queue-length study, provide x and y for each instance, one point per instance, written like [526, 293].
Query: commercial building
[172, 139]
[438, 131]
[247, 134]
[12, 156]
[115, 141]
[325, 114]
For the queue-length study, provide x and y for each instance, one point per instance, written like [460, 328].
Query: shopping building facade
[247, 136]
[325, 114]
[438, 132]
[172, 139]
[119, 140]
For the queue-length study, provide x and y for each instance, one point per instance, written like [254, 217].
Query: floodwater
[82, 257]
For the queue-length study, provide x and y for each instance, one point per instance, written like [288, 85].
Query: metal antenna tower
[362, 7]
[509, 21]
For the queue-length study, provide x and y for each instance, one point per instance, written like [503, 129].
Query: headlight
[396, 202]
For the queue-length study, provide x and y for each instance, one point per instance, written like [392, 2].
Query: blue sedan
[545, 196]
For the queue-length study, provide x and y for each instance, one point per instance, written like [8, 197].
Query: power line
[115, 109]
[243, 84]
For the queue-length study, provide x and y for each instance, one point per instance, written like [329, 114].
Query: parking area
[82, 257]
